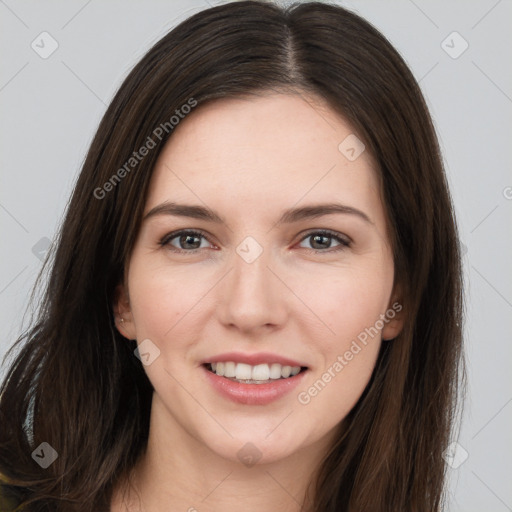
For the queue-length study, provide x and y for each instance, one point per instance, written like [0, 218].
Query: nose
[253, 297]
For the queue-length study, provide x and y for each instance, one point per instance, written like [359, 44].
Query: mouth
[258, 384]
[254, 374]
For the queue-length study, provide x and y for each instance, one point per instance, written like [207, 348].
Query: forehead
[274, 150]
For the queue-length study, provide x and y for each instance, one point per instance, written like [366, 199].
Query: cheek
[329, 397]
[347, 357]
[347, 300]
[350, 309]
[160, 299]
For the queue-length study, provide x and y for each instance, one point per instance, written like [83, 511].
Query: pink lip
[252, 394]
[253, 359]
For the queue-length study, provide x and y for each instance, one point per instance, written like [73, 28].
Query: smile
[253, 391]
[253, 374]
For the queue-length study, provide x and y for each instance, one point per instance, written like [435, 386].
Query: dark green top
[6, 504]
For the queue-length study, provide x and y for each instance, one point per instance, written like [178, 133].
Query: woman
[256, 298]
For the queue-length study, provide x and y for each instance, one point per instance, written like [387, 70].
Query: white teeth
[275, 371]
[259, 372]
[229, 369]
[243, 371]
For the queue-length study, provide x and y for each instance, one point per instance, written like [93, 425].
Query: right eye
[184, 241]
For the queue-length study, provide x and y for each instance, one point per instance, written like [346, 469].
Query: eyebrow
[288, 217]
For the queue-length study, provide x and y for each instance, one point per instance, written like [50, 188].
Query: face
[260, 276]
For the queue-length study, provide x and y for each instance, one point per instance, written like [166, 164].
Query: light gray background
[51, 108]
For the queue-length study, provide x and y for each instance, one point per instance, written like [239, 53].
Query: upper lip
[253, 359]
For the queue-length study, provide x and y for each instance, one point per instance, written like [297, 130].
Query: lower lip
[253, 394]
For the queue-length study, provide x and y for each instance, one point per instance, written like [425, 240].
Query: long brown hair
[75, 383]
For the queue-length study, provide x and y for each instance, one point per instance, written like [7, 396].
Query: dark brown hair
[75, 382]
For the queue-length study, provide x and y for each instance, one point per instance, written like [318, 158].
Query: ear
[394, 318]
[123, 314]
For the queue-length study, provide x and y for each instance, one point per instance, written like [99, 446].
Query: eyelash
[344, 243]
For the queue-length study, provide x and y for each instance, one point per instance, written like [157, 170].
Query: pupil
[326, 238]
[186, 239]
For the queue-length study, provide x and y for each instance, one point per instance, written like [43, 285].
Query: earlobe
[123, 317]
[394, 317]
[392, 329]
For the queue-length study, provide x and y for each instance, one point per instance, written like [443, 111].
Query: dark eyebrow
[288, 217]
[319, 210]
[185, 210]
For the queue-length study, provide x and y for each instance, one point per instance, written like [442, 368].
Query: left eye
[323, 239]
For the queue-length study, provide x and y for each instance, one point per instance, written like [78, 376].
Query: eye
[321, 241]
[185, 241]
[191, 241]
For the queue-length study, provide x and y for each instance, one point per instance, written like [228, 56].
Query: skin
[249, 160]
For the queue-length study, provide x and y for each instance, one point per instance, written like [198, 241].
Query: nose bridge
[251, 296]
